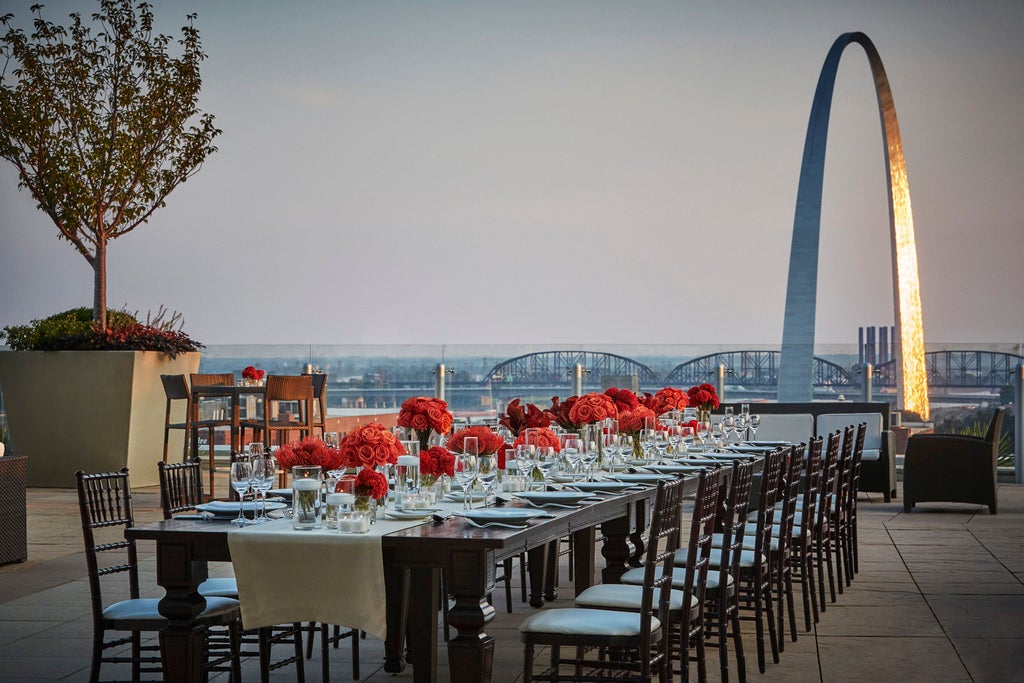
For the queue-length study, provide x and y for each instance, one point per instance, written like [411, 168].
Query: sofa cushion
[830, 422]
[794, 428]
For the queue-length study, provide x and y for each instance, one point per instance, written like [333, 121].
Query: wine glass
[755, 422]
[728, 425]
[742, 423]
[524, 463]
[466, 465]
[626, 446]
[571, 445]
[241, 476]
[588, 456]
[647, 443]
[544, 460]
[717, 435]
[487, 472]
[264, 472]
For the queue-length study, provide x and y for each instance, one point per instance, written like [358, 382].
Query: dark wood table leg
[182, 641]
[583, 558]
[637, 534]
[615, 549]
[396, 611]
[424, 601]
[470, 578]
[536, 564]
[551, 571]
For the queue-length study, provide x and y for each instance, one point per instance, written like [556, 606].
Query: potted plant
[102, 124]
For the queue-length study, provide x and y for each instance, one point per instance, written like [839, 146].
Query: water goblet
[465, 474]
[648, 439]
[728, 426]
[487, 473]
[264, 472]
[241, 476]
[718, 435]
[742, 423]
[571, 452]
[755, 422]
[544, 460]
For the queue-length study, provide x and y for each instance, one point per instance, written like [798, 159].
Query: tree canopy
[102, 122]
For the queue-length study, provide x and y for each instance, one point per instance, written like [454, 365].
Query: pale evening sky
[562, 172]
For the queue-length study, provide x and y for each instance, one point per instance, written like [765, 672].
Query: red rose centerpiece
[370, 485]
[487, 441]
[669, 399]
[371, 445]
[252, 376]
[591, 408]
[435, 462]
[632, 421]
[705, 398]
[560, 410]
[541, 437]
[425, 414]
[311, 451]
[624, 399]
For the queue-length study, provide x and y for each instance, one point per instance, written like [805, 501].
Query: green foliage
[979, 429]
[102, 125]
[74, 330]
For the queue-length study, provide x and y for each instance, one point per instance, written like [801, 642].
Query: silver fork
[493, 524]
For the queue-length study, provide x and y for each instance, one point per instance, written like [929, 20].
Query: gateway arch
[796, 362]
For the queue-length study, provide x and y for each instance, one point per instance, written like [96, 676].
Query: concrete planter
[96, 411]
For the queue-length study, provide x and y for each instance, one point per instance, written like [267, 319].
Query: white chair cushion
[146, 609]
[581, 621]
[871, 455]
[219, 588]
[795, 428]
[830, 422]
[635, 577]
[746, 558]
[623, 596]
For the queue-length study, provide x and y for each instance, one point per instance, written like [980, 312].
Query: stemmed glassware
[755, 422]
[742, 423]
[487, 473]
[718, 435]
[728, 426]
[241, 477]
[648, 439]
[588, 456]
[264, 472]
[571, 446]
[544, 460]
[466, 467]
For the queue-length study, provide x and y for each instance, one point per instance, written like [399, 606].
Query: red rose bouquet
[624, 399]
[632, 421]
[670, 398]
[517, 418]
[425, 414]
[434, 462]
[371, 445]
[487, 441]
[591, 408]
[310, 451]
[543, 437]
[371, 483]
[704, 397]
[251, 372]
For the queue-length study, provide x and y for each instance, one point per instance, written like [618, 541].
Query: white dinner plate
[409, 515]
[456, 496]
[642, 477]
[229, 508]
[554, 497]
[503, 515]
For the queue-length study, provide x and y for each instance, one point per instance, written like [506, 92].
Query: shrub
[74, 331]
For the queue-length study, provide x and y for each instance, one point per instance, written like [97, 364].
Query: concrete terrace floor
[939, 597]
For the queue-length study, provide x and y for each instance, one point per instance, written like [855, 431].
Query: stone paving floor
[939, 597]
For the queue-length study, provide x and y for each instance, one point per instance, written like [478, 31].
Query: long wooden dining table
[413, 559]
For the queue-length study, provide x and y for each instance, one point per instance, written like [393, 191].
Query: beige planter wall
[96, 411]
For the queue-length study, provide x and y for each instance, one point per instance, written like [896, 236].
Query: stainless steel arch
[795, 369]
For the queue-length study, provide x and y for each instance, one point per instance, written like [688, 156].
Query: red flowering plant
[311, 451]
[254, 373]
[624, 399]
[371, 445]
[434, 462]
[425, 414]
[591, 408]
[371, 483]
[670, 398]
[632, 421]
[487, 441]
[541, 437]
[559, 411]
[704, 397]
[517, 417]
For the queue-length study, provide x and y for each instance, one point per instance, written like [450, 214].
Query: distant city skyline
[575, 173]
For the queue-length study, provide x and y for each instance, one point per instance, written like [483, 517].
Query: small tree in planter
[101, 126]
